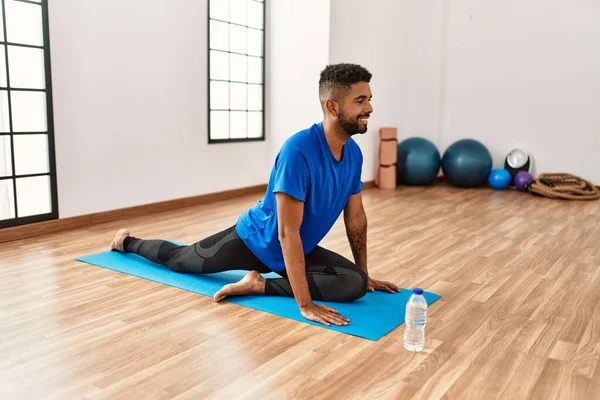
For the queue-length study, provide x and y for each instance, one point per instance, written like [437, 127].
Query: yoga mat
[371, 317]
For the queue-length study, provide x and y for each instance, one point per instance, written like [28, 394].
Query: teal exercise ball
[499, 178]
[418, 161]
[467, 163]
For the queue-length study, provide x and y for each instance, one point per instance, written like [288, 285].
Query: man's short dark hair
[337, 77]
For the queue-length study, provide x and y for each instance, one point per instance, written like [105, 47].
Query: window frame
[261, 138]
[53, 214]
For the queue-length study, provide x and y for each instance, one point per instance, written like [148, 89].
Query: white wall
[356, 38]
[130, 106]
[130, 87]
[298, 46]
[526, 74]
[130, 99]
[398, 41]
[508, 73]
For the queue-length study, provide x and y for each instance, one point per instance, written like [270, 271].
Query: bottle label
[416, 317]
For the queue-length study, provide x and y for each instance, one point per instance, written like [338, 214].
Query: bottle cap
[418, 291]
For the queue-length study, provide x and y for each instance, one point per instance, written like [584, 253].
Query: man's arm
[289, 217]
[355, 220]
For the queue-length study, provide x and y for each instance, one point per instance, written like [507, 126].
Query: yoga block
[388, 133]
[386, 177]
[388, 153]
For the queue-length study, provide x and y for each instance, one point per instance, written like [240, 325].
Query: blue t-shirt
[305, 169]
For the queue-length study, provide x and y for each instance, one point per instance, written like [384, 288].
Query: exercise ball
[467, 163]
[499, 178]
[522, 180]
[418, 161]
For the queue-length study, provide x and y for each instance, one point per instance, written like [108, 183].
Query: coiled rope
[564, 186]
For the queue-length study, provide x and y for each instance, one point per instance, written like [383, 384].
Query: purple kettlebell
[522, 180]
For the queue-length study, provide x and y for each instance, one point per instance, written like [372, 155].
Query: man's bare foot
[117, 243]
[252, 283]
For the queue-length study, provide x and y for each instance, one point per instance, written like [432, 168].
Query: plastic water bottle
[415, 320]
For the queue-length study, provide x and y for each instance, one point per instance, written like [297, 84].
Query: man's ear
[331, 107]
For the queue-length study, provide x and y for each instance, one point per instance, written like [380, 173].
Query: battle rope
[564, 186]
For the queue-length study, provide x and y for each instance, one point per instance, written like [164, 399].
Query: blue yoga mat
[371, 317]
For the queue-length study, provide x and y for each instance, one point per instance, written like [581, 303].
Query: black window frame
[261, 138]
[19, 221]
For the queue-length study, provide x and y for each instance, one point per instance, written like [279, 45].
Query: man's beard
[351, 125]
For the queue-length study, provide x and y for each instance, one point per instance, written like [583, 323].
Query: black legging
[330, 276]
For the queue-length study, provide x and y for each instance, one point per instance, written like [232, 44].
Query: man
[316, 176]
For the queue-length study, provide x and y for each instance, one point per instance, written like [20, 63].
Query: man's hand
[382, 285]
[323, 314]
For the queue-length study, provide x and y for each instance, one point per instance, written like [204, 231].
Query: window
[27, 166]
[236, 65]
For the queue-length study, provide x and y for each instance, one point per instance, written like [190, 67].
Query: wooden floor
[519, 315]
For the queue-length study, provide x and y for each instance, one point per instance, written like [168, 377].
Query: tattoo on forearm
[357, 236]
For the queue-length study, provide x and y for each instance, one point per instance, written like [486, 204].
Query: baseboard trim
[59, 225]
[368, 185]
